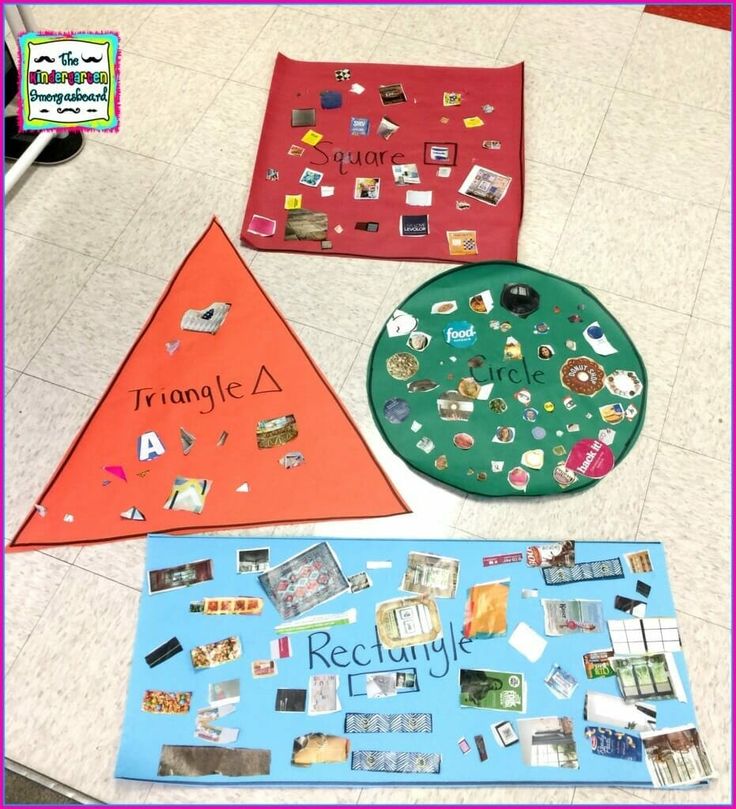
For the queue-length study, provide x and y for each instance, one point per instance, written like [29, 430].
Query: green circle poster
[499, 379]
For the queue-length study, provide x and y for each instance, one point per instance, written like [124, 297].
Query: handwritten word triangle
[208, 385]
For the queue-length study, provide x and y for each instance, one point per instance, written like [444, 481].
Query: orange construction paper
[252, 369]
[485, 610]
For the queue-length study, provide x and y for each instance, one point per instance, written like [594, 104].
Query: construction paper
[483, 380]
[396, 130]
[400, 703]
[244, 390]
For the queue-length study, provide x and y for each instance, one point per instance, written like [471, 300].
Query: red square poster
[390, 161]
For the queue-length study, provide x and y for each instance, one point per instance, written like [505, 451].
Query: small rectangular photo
[443, 154]
[291, 700]
[485, 185]
[252, 560]
[392, 94]
[172, 578]
[367, 188]
[547, 741]
[311, 178]
[405, 173]
[386, 128]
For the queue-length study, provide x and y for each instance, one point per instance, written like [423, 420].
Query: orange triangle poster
[217, 418]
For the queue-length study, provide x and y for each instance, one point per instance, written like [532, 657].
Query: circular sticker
[495, 399]
[591, 457]
[396, 410]
[402, 365]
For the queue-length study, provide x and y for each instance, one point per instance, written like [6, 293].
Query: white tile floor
[627, 125]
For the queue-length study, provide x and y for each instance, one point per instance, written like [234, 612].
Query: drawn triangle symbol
[206, 385]
[266, 383]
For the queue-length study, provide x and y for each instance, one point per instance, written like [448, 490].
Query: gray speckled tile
[609, 510]
[479, 29]
[161, 103]
[125, 19]
[584, 42]
[102, 186]
[122, 561]
[305, 36]
[243, 796]
[480, 796]
[108, 314]
[726, 197]
[365, 14]
[713, 301]
[41, 280]
[11, 377]
[548, 198]
[41, 420]
[174, 216]
[334, 355]
[664, 147]
[684, 488]
[647, 246]
[208, 38]
[31, 579]
[64, 553]
[609, 796]
[698, 418]
[430, 502]
[562, 118]
[680, 62]
[704, 646]
[394, 48]
[408, 276]
[659, 336]
[86, 640]
[225, 142]
[340, 295]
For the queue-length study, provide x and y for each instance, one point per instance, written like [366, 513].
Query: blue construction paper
[352, 649]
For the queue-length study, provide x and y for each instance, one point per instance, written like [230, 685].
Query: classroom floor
[627, 191]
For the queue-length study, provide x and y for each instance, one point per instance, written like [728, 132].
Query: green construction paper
[470, 470]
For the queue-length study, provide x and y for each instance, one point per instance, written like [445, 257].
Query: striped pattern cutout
[388, 723]
[383, 761]
[584, 571]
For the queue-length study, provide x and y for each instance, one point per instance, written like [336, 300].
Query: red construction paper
[256, 369]
[297, 85]
[715, 16]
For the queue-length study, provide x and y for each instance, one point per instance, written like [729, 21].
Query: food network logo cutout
[69, 82]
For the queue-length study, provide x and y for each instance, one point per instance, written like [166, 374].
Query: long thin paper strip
[382, 761]
[388, 723]
[584, 571]
[190, 760]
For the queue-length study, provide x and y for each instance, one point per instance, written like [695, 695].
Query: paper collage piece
[485, 610]
[369, 140]
[152, 456]
[386, 688]
[481, 381]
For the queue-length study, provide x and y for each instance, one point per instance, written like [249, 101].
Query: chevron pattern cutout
[382, 761]
[388, 723]
[584, 571]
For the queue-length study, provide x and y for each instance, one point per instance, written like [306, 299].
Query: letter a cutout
[297, 447]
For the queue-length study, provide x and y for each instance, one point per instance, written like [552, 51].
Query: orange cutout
[209, 384]
[485, 610]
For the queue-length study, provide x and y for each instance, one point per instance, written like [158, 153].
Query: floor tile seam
[253, 41]
[40, 618]
[61, 317]
[58, 385]
[703, 619]
[103, 576]
[706, 253]
[306, 8]
[508, 33]
[700, 203]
